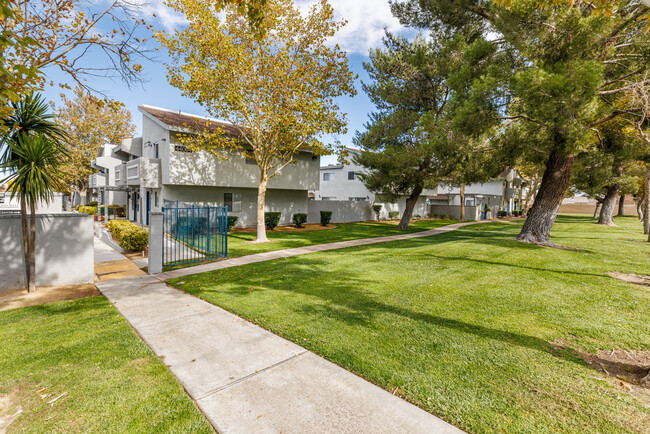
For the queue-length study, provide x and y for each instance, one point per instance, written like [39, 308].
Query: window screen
[232, 201]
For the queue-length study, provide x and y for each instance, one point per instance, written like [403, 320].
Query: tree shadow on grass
[342, 297]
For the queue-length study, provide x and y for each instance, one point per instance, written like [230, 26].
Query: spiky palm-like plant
[31, 154]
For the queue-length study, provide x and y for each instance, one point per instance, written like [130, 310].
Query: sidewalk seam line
[239, 380]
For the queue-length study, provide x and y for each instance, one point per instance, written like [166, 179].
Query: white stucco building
[340, 182]
[157, 170]
[102, 185]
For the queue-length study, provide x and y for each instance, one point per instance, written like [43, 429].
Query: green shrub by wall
[129, 236]
[232, 221]
[376, 209]
[299, 219]
[393, 214]
[325, 217]
[271, 219]
[87, 209]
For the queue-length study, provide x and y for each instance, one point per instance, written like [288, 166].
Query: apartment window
[329, 197]
[357, 199]
[2, 197]
[155, 151]
[351, 175]
[469, 201]
[155, 199]
[232, 201]
[251, 161]
[328, 176]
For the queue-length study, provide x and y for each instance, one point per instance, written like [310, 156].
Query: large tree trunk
[410, 206]
[25, 227]
[609, 202]
[538, 224]
[621, 206]
[32, 249]
[462, 202]
[261, 200]
[646, 202]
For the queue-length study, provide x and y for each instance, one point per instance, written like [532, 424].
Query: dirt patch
[632, 367]
[305, 227]
[9, 409]
[636, 279]
[137, 255]
[16, 298]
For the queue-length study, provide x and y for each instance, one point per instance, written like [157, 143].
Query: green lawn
[239, 243]
[461, 324]
[84, 350]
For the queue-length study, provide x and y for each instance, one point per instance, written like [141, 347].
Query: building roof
[182, 121]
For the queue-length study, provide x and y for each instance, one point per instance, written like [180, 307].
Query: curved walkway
[247, 379]
[286, 253]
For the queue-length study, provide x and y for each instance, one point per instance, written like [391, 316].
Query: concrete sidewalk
[286, 253]
[246, 379]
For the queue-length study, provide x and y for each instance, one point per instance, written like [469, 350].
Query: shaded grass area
[110, 381]
[467, 324]
[239, 243]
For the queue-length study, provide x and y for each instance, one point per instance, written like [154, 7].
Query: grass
[239, 243]
[110, 381]
[462, 324]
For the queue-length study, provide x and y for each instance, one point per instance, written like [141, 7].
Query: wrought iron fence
[194, 234]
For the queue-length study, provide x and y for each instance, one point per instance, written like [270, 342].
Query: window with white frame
[329, 198]
[357, 199]
[328, 176]
[232, 201]
[352, 175]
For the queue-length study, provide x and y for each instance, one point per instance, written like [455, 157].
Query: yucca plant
[31, 155]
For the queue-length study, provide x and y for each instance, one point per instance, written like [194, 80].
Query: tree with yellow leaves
[278, 87]
[89, 122]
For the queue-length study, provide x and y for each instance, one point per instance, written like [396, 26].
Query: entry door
[148, 206]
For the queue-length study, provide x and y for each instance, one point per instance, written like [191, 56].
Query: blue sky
[366, 22]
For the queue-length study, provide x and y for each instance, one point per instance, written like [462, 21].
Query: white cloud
[366, 22]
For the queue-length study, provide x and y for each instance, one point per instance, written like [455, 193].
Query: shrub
[377, 210]
[325, 217]
[232, 221]
[502, 214]
[115, 226]
[134, 238]
[416, 216]
[87, 209]
[393, 214]
[299, 219]
[517, 213]
[271, 219]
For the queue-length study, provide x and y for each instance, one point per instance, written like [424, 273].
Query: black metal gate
[194, 234]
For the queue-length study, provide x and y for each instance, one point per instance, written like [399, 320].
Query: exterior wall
[453, 211]
[287, 202]
[488, 188]
[64, 250]
[421, 207]
[342, 210]
[342, 188]
[204, 169]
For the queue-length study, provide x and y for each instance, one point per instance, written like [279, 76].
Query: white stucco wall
[342, 210]
[288, 202]
[64, 250]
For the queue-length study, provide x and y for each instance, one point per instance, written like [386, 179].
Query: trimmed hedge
[129, 236]
[271, 219]
[232, 221]
[502, 214]
[393, 214]
[299, 219]
[325, 217]
[87, 209]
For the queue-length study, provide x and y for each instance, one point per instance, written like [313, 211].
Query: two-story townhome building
[506, 192]
[158, 170]
[104, 186]
[341, 182]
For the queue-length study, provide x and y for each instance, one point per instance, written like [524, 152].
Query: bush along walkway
[286, 253]
[247, 379]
